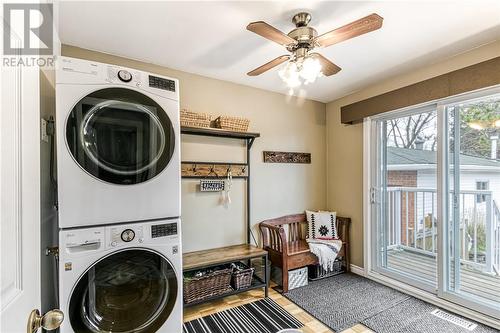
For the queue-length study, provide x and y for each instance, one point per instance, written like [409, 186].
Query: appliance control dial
[128, 235]
[124, 75]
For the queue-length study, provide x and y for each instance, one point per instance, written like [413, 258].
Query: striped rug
[262, 316]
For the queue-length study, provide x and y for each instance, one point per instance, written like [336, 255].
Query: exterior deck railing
[412, 217]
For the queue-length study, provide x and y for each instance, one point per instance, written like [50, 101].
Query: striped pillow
[322, 225]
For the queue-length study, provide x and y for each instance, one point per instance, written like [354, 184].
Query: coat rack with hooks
[221, 170]
[197, 169]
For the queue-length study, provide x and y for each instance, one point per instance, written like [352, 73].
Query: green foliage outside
[477, 142]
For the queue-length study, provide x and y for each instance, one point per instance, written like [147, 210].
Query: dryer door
[133, 290]
[120, 136]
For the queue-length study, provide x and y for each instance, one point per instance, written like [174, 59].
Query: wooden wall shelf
[218, 132]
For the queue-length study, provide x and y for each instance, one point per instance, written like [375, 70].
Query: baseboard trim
[357, 270]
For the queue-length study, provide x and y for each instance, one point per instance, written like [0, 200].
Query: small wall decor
[284, 157]
[212, 185]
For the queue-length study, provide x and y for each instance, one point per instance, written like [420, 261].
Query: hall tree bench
[284, 239]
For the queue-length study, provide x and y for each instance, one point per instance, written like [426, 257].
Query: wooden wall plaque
[286, 157]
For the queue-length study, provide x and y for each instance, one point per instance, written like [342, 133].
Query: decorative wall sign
[284, 157]
[211, 185]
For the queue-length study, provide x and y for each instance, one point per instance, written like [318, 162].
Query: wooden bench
[285, 240]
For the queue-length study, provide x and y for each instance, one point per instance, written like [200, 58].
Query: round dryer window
[120, 136]
[129, 291]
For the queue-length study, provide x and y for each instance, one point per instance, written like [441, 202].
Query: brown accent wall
[474, 77]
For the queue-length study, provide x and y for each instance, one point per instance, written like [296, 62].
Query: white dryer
[121, 278]
[118, 144]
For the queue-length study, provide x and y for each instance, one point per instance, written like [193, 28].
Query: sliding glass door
[471, 242]
[405, 196]
[435, 199]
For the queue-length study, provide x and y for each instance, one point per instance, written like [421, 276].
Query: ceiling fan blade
[268, 31]
[269, 65]
[328, 67]
[362, 26]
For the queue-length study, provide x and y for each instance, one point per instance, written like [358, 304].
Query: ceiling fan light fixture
[305, 65]
[290, 74]
[311, 70]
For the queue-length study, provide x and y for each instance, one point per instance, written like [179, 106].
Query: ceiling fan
[302, 40]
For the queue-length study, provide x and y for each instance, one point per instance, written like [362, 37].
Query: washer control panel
[163, 230]
[126, 234]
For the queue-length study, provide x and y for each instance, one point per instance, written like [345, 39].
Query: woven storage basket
[235, 124]
[194, 119]
[242, 279]
[212, 284]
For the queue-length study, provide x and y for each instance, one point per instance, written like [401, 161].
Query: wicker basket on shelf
[235, 124]
[242, 278]
[211, 284]
[194, 119]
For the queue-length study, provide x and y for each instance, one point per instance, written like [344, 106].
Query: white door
[20, 196]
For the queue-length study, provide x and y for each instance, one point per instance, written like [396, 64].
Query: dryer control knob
[124, 75]
[128, 235]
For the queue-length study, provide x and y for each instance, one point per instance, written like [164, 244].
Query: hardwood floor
[311, 324]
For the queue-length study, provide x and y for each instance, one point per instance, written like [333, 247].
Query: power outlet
[45, 136]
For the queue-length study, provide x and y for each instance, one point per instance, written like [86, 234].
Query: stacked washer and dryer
[118, 167]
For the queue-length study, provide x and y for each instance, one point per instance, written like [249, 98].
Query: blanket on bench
[326, 250]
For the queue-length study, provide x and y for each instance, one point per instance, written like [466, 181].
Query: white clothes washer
[118, 144]
[121, 278]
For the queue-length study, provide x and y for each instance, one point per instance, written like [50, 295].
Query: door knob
[49, 321]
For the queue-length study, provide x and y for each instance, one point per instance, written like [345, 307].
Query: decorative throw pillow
[322, 225]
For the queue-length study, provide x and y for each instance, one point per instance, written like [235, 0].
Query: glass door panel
[472, 230]
[406, 205]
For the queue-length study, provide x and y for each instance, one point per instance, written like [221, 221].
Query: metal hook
[194, 167]
[243, 170]
[212, 170]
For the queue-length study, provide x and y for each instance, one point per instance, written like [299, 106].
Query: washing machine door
[132, 290]
[120, 136]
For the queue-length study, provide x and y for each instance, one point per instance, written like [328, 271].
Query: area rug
[414, 315]
[345, 300]
[262, 316]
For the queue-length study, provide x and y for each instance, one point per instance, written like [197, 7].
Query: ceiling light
[497, 123]
[290, 75]
[301, 71]
[476, 126]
